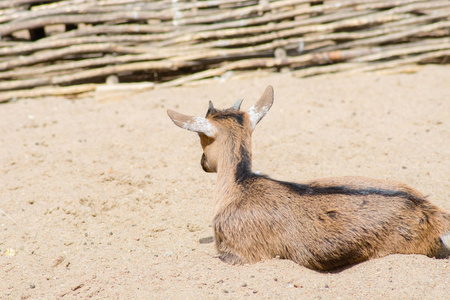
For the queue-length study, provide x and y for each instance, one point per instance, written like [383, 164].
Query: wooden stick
[405, 61]
[53, 55]
[440, 44]
[80, 64]
[47, 91]
[11, 27]
[131, 67]
[80, 41]
[354, 67]
[394, 36]
[92, 73]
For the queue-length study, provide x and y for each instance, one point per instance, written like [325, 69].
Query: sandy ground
[108, 200]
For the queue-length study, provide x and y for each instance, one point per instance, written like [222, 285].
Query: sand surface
[108, 200]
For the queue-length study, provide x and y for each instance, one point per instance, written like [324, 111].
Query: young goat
[323, 224]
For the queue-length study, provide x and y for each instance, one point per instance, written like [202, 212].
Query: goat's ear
[196, 124]
[260, 109]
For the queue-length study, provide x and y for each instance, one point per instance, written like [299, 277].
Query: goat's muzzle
[205, 165]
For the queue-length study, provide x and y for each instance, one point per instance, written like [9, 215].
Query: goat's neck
[234, 164]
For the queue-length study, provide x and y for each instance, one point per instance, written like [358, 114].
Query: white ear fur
[196, 124]
[260, 109]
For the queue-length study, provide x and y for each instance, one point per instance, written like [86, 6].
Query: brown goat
[323, 224]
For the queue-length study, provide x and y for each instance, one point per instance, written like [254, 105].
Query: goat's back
[328, 223]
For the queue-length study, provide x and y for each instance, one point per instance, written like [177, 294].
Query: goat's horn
[237, 105]
[211, 109]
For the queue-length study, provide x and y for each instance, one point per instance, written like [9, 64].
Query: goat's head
[222, 127]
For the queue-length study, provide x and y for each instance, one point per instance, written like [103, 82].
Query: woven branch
[48, 91]
[52, 55]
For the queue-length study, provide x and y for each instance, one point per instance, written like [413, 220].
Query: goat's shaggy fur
[322, 224]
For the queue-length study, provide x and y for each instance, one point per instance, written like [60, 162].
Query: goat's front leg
[232, 259]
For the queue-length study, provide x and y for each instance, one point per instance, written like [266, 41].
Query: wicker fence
[71, 46]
